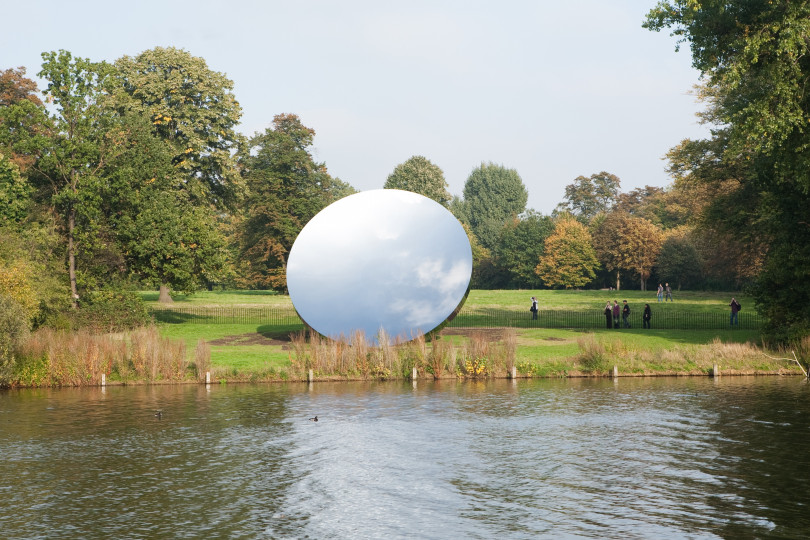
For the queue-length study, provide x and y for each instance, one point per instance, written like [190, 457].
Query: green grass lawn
[684, 301]
[262, 348]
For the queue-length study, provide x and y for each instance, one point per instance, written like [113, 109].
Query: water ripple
[646, 458]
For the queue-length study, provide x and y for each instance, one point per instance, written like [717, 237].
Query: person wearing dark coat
[626, 314]
[647, 316]
[609, 315]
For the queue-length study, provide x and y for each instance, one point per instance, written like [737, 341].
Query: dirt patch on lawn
[490, 334]
[255, 338]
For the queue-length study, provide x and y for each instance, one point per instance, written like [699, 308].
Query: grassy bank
[184, 349]
[239, 350]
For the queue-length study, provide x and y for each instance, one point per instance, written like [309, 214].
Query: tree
[755, 63]
[492, 195]
[166, 238]
[679, 261]
[24, 122]
[627, 244]
[15, 193]
[588, 196]
[667, 208]
[76, 149]
[286, 189]
[192, 108]
[520, 246]
[569, 260]
[419, 175]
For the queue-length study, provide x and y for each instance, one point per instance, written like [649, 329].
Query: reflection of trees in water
[763, 449]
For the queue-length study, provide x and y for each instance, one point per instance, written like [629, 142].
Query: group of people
[613, 312]
[662, 290]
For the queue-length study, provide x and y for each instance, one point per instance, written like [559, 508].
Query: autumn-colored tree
[24, 121]
[569, 260]
[627, 244]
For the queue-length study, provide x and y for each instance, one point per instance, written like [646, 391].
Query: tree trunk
[643, 284]
[617, 280]
[164, 297]
[74, 292]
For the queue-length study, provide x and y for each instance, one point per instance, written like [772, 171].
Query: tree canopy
[194, 109]
[492, 195]
[287, 187]
[755, 63]
[569, 260]
[419, 175]
[588, 196]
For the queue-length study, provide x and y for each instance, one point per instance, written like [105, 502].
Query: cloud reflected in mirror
[381, 259]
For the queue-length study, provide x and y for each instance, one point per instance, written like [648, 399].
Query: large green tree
[520, 246]
[166, 239]
[419, 175]
[493, 194]
[79, 143]
[755, 65]
[193, 108]
[679, 261]
[588, 196]
[286, 188]
[569, 260]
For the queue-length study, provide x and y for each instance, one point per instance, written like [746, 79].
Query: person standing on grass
[533, 309]
[660, 293]
[647, 316]
[735, 308]
[616, 312]
[609, 315]
[669, 293]
[626, 314]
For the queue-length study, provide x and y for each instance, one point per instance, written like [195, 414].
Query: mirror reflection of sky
[381, 259]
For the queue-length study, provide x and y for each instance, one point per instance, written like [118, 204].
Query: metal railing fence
[468, 317]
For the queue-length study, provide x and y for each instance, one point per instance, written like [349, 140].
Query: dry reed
[202, 359]
[60, 358]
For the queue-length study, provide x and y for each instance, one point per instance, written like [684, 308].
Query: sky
[553, 90]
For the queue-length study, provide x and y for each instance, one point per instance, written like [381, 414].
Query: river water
[630, 458]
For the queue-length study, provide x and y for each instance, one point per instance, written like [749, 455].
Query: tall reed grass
[479, 357]
[61, 358]
[599, 356]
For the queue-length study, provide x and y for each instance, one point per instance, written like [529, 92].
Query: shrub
[592, 354]
[112, 311]
[13, 332]
[16, 284]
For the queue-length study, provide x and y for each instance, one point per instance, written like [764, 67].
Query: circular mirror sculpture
[382, 260]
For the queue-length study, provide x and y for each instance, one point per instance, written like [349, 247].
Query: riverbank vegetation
[184, 351]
